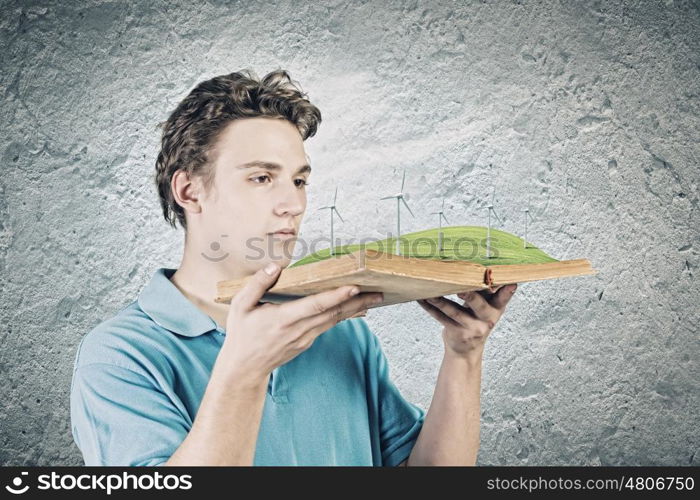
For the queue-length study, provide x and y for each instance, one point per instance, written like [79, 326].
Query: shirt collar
[169, 308]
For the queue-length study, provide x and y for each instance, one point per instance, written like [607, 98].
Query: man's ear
[187, 191]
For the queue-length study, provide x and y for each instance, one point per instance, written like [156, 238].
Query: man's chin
[282, 247]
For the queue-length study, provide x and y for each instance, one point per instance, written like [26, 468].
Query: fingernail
[379, 299]
[354, 291]
[431, 301]
[512, 290]
[271, 268]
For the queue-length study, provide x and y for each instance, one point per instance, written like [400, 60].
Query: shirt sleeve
[400, 421]
[120, 418]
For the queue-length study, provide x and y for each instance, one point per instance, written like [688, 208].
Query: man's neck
[196, 279]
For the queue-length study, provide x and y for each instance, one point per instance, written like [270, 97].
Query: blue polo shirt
[139, 377]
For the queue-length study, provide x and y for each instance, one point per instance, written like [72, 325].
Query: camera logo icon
[17, 483]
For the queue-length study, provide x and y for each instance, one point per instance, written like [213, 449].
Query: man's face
[246, 204]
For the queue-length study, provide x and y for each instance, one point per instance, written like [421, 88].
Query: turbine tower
[527, 214]
[333, 209]
[488, 231]
[441, 215]
[400, 197]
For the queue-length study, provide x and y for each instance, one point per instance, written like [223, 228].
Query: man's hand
[261, 337]
[467, 326]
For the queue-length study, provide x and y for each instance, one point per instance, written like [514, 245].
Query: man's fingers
[436, 313]
[360, 314]
[504, 295]
[454, 311]
[339, 312]
[482, 308]
[256, 286]
[318, 303]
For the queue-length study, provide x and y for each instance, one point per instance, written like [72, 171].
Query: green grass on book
[466, 243]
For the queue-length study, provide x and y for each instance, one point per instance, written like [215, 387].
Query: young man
[177, 379]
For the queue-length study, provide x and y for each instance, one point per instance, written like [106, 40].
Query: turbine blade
[323, 208]
[533, 220]
[403, 180]
[336, 211]
[443, 203]
[409, 208]
[387, 197]
[497, 217]
[336, 195]
[443, 216]
[493, 195]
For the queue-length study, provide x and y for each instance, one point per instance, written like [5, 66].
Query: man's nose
[292, 200]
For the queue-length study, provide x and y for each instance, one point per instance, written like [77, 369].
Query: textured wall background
[592, 109]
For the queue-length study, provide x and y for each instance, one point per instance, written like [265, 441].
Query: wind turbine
[400, 197]
[441, 215]
[488, 231]
[527, 214]
[333, 209]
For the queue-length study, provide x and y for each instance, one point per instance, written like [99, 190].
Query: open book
[400, 278]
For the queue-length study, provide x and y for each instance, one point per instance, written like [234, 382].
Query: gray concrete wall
[591, 108]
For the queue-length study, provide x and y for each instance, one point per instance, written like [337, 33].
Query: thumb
[256, 286]
[503, 296]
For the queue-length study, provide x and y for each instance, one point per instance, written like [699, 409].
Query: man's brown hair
[192, 129]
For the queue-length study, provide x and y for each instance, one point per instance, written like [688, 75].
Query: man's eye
[302, 184]
[260, 177]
